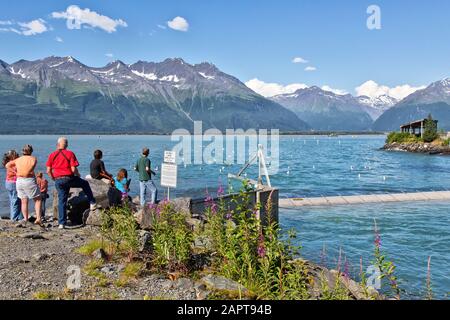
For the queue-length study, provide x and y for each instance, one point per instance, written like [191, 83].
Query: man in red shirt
[62, 168]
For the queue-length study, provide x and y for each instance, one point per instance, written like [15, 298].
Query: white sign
[169, 175]
[169, 157]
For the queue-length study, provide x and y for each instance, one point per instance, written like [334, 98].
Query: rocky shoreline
[34, 264]
[426, 148]
[35, 261]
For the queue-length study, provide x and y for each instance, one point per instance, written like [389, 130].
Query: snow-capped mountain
[139, 97]
[434, 100]
[325, 110]
[375, 106]
[438, 91]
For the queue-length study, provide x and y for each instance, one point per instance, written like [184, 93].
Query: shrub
[402, 137]
[253, 254]
[172, 238]
[120, 228]
[385, 267]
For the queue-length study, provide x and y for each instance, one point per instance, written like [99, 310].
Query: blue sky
[249, 39]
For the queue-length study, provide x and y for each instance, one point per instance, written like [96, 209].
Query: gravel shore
[34, 263]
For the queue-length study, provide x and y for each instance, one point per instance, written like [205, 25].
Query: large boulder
[144, 218]
[182, 204]
[105, 195]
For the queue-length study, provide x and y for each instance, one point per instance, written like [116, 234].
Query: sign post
[169, 172]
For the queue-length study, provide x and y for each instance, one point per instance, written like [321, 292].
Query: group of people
[23, 184]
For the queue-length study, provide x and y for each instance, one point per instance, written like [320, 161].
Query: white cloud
[372, 89]
[77, 17]
[59, 39]
[161, 26]
[109, 55]
[309, 68]
[33, 27]
[299, 60]
[273, 89]
[25, 28]
[179, 24]
[336, 91]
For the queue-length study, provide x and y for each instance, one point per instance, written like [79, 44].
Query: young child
[10, 184]
[121, 182]
[43, 186]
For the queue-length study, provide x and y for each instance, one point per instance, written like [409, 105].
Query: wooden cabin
[416, 127]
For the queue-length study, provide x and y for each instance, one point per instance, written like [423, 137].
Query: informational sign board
[169, 175]
[169, 157]
[169, 171]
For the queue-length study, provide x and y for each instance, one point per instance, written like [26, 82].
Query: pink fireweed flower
[346, 272]
[210, 203]
[377, 239]
[261, 248]
[220, 191]
[261, 251]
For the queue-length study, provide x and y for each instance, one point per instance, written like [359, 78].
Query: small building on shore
[416, 127]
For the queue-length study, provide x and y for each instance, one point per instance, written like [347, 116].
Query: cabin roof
[415, 123]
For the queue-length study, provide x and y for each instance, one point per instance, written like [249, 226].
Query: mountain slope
[325, 110]
[434, 99]
[60, 94]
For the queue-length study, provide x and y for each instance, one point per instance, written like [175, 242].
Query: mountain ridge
[141, 97]
[325, 110]
[434, 100]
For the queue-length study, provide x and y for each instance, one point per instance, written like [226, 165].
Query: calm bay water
[313, 166]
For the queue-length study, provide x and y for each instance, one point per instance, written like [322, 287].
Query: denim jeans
[63, 186]
[146, 188]
[14, 202]
[44, 200]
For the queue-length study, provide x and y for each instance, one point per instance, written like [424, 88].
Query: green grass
[89, 248]
[131, 271]
[44, 295]
[92, 270]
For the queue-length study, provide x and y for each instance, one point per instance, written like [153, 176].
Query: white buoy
[288, 171]
[384, 178]
[359, 175]
[351, 168]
